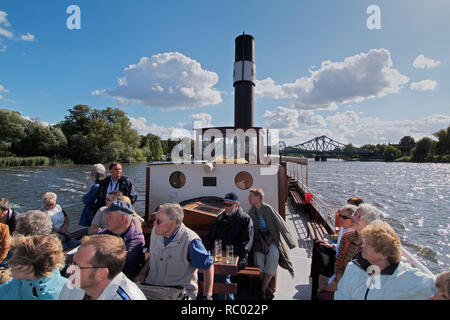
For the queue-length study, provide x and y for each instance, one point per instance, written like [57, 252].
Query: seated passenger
[442, 285]
[96, 272]
[60, 220]
[233, 227]
[35, 265]
[99, 220]
[377, 273]
[97, 176]
[136, 218]
[4, 243]
[7, 215]
[324, 253]
[351, 242]
[34, 223]
[30, 223]
[119, 221]
[176, 252]
[272, 241]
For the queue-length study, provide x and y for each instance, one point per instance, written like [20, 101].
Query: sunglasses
[226, 204]
[344, 217]
[160, 222]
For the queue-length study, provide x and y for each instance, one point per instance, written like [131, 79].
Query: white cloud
[424, 85]
[422, 62]
[167, 81]
[4, 23]
[140, 124]
[283, 117]
[27, 37]
[3, 89]
[359, 77]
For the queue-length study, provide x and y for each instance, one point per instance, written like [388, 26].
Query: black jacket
[236, 230]
[125, 185]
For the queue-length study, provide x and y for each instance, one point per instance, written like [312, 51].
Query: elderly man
[115, 181]
[176, 252]
[96, 272]
[119, 221]
[234, 227]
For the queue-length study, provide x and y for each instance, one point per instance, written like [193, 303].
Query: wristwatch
[207, 297]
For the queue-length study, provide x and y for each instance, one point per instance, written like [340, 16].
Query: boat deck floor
[299, 287]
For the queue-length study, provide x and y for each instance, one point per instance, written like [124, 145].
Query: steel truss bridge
[323, 146]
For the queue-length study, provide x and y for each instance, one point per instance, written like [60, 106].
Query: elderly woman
[34, 223]
[272, 241]
[97, 176]
[377, 273]
[442, 285]
[60, 220]
[35, 264]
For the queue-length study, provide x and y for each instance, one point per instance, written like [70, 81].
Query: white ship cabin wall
[224, 175]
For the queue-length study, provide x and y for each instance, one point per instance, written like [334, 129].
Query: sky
[344, 69]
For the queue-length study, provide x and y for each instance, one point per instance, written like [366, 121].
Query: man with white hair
[176, 252]
[120, 223]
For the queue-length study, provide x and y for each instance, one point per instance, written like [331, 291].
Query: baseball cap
[122, 206]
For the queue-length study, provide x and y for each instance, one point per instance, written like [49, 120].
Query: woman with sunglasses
[351, 242]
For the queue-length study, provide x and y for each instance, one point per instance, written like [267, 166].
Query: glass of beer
[218, 250]
[229, 252]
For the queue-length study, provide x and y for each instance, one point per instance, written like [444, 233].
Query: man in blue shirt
[176, 252]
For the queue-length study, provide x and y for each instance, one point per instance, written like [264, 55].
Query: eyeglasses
[344, 217]
[107, 199]
[81, 268]
[227, 204]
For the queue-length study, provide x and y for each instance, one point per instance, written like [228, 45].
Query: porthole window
[177, 179]
[243, 180]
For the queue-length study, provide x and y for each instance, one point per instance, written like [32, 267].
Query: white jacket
[394, 283]
[120, 288]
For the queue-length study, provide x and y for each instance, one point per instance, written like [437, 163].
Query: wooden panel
[147, 193]
[282, 189]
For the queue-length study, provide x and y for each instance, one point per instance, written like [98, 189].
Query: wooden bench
[299, 203]
[316, 230]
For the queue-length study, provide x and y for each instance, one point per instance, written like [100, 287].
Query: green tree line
[86, 135]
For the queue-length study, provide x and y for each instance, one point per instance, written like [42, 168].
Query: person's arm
[132, 191]
[202, 259]
[135, 257]
[209, 281]
[142, 275]
[91, 195]
[4, 242]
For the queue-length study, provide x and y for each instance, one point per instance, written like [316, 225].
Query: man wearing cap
[119, 221]
[116, 181]
[233, 227]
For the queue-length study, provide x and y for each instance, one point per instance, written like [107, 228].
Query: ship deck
[299, 287]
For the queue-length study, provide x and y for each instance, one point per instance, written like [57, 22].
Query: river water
[415, 198]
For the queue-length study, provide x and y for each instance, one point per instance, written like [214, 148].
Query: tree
[12, 129]
[443, 144]
[391, 153]
[407, 141]
[424, 150]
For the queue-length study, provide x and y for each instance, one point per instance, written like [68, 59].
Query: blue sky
[319, 69]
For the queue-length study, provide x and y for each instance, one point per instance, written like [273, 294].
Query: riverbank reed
[7, 162]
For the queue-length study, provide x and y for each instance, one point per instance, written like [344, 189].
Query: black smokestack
[244, 81]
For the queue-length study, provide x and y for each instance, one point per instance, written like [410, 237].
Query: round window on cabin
[243, 180]
[177, 179]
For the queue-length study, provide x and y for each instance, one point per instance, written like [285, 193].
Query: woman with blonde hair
[35, 266]
[377, 272]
